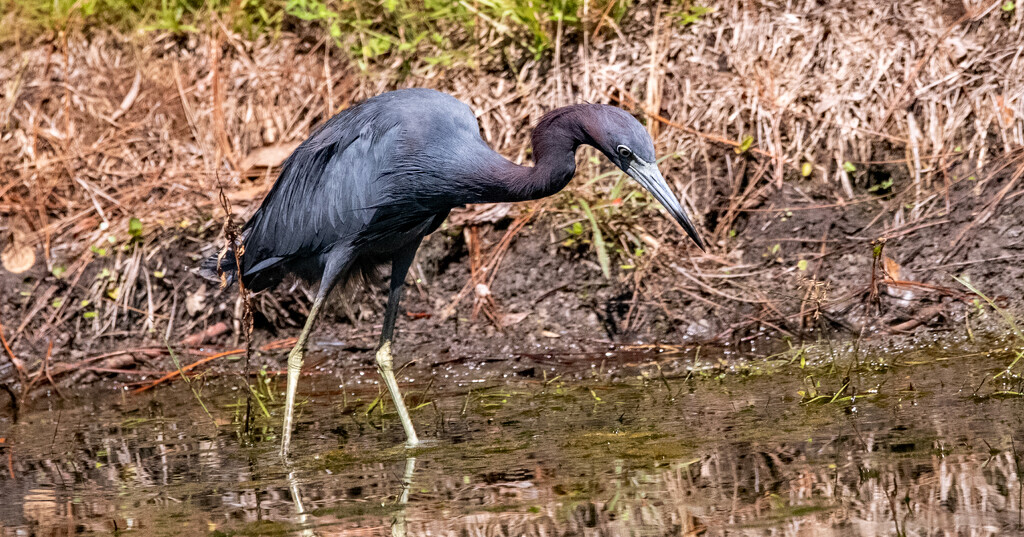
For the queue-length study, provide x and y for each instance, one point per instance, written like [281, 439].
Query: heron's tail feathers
[220, 269]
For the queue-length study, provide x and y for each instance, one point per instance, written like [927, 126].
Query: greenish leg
[294, 369]
[385, 364]
[335, 267]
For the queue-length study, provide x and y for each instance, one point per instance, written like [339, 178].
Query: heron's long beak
[647, 174]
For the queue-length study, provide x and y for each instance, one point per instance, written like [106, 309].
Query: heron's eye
[624, 152]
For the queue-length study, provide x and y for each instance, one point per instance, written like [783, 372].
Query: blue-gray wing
[324, 195]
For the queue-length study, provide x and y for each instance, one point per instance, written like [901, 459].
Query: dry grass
[97, 131]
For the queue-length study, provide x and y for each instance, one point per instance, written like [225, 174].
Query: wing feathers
[320, 197]
[371, 177]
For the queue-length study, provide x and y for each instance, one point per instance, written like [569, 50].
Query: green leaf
[158, 274]
[377, 46]
[56, 303]
[849, 167]
[744, 145]
[802, 264]
[884, 185]
[89, 315]
[806, 169]
[602, 251]
[98, 251]
[692, 15]
[135, 227]
[58, 271]
[1008, 6]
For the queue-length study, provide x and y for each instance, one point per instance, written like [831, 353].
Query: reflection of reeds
[856, 478]
[745, 495]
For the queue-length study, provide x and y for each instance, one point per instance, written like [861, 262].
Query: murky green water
[596, 451]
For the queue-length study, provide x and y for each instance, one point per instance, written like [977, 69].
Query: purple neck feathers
[554, 141]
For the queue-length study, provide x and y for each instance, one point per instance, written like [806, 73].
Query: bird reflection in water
[398, 522]
[398, 526]
[300, 512]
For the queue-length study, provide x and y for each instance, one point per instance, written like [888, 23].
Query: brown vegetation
[797, 135]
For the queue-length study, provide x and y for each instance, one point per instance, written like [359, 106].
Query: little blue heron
[365, 188]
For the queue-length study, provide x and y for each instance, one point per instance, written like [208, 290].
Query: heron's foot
[406, 448]
[424, 445]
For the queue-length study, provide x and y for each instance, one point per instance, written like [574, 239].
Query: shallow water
[629, 452]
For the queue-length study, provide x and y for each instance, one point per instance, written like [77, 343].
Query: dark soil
[554, 300]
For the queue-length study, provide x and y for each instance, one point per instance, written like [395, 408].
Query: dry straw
[101, 129]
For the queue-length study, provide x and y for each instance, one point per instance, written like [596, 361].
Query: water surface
[540, 450]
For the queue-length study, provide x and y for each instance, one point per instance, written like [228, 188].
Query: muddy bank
[798, 268]
[115, 149]
[791, 274]
[791, 270]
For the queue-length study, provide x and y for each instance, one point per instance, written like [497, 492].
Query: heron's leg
[385, 363]
[294, 369]
[330, 277]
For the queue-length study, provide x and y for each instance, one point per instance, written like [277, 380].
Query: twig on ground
[18, 365]
[189, 367]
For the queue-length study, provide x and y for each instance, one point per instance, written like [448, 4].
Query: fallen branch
[273, 345]
[188, 367]
[14, 359]
[925, 315]
[210, 332]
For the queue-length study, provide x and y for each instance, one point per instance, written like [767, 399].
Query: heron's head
[626, 143]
